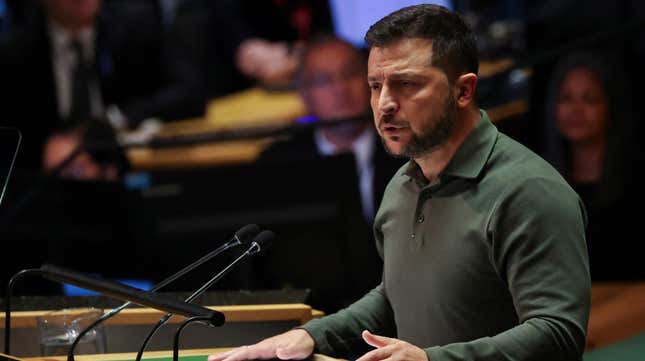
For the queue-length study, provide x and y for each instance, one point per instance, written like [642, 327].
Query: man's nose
[387, 104]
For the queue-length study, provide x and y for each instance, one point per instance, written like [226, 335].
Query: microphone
[7, 306]
[135, 295]
[242, 236]
[261, 242]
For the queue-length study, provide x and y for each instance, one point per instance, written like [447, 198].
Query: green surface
[632, 349]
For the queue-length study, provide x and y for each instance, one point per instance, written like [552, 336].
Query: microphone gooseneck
[7, 307]
[242, 236]
[261, 242]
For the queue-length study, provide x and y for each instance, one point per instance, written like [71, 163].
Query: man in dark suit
[332, 85]
[78, 60]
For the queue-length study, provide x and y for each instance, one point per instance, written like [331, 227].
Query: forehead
[331, 55]
[581, 76]
[405, 54]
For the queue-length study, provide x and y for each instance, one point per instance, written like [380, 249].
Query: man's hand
[59, 146]
[391, 349]
[291, 345]
[269, 62]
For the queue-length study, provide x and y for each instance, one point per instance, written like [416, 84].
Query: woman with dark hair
[588, 139]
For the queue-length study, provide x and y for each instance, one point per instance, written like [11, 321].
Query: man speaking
[482, 241]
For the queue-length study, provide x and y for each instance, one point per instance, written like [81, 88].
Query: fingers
[239, 354]
[295, 344]
[391, 349]
[219, 356]
[377, 341]
[376, 355]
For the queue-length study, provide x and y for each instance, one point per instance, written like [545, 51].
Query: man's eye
[375, 86]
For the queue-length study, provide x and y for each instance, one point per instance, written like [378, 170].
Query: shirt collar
[324, 146]
[62, 38]
[362, 146]
[471, 157]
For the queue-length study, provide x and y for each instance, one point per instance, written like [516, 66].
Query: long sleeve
[340, 334]
[538, 249]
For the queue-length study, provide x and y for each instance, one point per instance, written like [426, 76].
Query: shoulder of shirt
[519, 172]
[517, 162]
[398, 180]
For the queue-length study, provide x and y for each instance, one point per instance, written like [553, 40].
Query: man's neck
[435, 162]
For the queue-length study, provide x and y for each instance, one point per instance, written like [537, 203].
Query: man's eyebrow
[404, 74]
[407, 74]
[372, 78]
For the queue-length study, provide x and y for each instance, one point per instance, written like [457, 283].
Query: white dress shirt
[64, 62]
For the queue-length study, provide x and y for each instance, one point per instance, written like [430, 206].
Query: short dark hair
[454, 47]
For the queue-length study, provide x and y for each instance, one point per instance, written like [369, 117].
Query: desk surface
[632, 349]
[187, 355]
[617, 312]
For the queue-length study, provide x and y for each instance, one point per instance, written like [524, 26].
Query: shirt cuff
[318, 334]
[434, 353]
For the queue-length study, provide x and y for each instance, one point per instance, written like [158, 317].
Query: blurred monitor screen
[71, 290]
[9, 142]
[352, 18]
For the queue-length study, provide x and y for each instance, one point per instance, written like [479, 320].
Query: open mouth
[393, 129]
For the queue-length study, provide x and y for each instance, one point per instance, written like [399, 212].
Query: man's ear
[465, 87]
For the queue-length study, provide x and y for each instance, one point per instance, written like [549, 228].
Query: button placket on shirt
[419, 218]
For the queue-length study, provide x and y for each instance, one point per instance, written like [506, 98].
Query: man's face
[412, 101]
[334, 81]
[73, 13]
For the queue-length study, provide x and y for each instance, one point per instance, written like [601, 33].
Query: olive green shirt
[488, 262]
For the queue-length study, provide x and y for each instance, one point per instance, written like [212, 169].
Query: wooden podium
[4, 357]
[196, 355]
[245, 324]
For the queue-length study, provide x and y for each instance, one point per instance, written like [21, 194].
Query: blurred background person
[76, 60]
[96, 154]
[589, 139]
[233, 45]
[331, 82]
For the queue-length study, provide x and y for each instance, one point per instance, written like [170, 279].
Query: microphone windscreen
[264, 240]
[246, 233]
